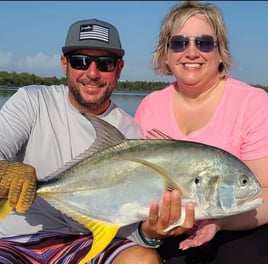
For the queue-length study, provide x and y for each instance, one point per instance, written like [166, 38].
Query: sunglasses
[82, 62]
[204, 43]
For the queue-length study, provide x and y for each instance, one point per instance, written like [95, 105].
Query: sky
[32, 34]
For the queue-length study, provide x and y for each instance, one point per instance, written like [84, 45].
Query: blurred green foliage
[13, 79]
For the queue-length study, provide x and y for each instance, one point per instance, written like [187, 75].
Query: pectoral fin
[5, 208]
[169, 181]
[103, 234]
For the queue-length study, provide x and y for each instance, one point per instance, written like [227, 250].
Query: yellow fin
[103, 234]
[5, 208]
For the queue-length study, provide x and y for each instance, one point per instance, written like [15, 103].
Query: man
[41, 129]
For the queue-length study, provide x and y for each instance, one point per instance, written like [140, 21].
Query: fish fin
[157, 134]
[104, 130]
[106, 136]
[103, 234]
[168, 179]
[5, 208]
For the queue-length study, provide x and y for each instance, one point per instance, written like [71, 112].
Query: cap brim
[69, 49]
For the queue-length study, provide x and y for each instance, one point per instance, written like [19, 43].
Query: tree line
[13, 79]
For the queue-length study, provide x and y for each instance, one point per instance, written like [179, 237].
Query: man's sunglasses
[204, 43]
[82, 62]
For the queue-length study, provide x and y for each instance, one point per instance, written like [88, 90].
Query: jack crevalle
[114, 182]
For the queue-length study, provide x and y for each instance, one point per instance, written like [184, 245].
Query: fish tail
[103, 234]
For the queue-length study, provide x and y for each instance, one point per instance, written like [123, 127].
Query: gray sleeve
[123, 121]
[16, 119]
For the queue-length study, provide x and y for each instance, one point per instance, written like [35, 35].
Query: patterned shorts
[56, 249]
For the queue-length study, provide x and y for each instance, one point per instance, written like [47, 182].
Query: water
[126, 100]
[4, 95]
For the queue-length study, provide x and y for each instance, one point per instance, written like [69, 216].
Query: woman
[206, 105]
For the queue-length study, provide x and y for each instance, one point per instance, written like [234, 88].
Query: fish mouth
[239, 208]
[253, 204]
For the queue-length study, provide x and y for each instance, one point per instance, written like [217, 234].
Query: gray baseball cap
[93, 34]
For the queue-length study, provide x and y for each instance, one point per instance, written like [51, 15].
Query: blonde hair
[176, 18]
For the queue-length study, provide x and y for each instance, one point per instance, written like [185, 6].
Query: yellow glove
[18, 184]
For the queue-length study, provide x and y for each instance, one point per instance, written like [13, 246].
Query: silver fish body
[118, 184]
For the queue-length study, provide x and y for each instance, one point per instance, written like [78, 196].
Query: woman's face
[192, 67]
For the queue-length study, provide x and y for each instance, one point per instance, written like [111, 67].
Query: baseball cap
[93, 34]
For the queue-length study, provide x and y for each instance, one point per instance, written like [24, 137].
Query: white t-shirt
[40, 127]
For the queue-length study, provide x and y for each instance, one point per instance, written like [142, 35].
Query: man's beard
[91, 105]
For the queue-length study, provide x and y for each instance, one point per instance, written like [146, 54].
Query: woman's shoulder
[244, 96]
[242, 92]
[243, 87]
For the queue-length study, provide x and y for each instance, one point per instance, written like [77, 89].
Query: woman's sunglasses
[204, 43]
[82, 62]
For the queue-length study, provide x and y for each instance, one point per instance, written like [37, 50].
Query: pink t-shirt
[239, 124]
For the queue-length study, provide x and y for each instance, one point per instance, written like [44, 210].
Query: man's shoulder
[39, 92]
[35, 89]
[123, 121]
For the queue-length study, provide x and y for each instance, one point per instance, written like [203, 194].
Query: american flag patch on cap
[92, 31]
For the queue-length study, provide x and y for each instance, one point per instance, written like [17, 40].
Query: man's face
[92, 76]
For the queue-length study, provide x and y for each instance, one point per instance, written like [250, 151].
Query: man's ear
[119, 68]
[64, 64]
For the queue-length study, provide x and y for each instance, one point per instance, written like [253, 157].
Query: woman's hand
[203, 232]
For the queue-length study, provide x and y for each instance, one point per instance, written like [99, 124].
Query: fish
[113, 183]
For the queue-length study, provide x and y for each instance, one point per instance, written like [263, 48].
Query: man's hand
[168, 214]
[18, 184]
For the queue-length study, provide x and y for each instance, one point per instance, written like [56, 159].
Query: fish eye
[244, 180]
[196, 180]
